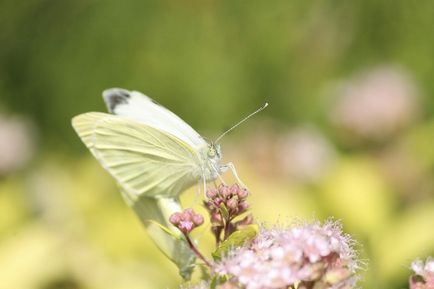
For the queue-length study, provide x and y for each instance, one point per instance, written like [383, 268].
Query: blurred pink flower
[424, 274]
[301, 254]
[301, 154]
[16, 144]
[376, 104]
[305, 154]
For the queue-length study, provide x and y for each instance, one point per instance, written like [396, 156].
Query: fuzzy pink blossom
[304, 154]
[376, 104]
[424, 274]
[303, 254]
[16, 143]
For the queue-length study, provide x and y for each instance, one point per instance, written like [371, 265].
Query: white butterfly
[148, 149]
[154, 156]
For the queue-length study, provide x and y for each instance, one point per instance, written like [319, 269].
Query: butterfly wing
[152, 169]
[154, 214]
[144, 160]
[142, 108]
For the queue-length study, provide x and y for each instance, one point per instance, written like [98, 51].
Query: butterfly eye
[212, 152]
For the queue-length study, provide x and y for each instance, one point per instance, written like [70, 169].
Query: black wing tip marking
[115, 96]
[154, 101]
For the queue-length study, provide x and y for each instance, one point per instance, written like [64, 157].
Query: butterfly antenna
[241, 121]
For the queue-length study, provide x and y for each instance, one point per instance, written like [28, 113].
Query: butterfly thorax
[210, 162]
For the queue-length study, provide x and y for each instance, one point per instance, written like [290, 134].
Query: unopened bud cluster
[224, 204]
[186, 220]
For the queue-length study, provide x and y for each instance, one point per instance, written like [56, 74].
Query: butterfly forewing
[137, 106]
[143, 160]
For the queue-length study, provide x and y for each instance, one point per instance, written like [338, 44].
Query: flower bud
[211, 193]
[175, 219]
[217, 202]
[243, 206]
[232, 203]
[234, 189]
[189, 213]
[186, 226]
[247, 220]
[198, 220]
[186, 221]
[209, 205]
[224, 191]
[216, 218]
[243, 193]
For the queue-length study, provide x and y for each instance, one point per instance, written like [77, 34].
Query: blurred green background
[349, 131]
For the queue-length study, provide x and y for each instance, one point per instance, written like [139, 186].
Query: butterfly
[147, 149]
[154, 156]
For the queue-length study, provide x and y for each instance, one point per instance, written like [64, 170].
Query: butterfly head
[214, 151]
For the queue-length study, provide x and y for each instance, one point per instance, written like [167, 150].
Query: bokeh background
[349, 131]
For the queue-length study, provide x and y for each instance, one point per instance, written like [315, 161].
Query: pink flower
[424, 274]
[225, 204]
[304, 154]
[16, 143]
[301, 254]
[376, 104]
[186, 221]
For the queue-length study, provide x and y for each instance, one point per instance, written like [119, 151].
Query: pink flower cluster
[311, 255]
[233, 197]
[224, 204]
[186, 221]
[424, 274]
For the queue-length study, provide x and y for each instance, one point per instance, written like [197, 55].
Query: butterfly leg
[218, 175]
[231, 166]
[204, 185]
[221, 179]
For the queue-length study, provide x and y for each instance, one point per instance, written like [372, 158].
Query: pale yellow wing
[152, 169]
[155, 213]
[143, 160]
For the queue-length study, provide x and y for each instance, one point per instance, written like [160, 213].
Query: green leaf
[217, 280]
[164, 229]
[236, 239]
[224, 211]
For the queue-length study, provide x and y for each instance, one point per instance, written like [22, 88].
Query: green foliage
[217, 280]
[236, 239]
[208, 59]
[210, 62]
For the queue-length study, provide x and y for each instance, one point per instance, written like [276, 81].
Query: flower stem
[196, 251]
[227, 226]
